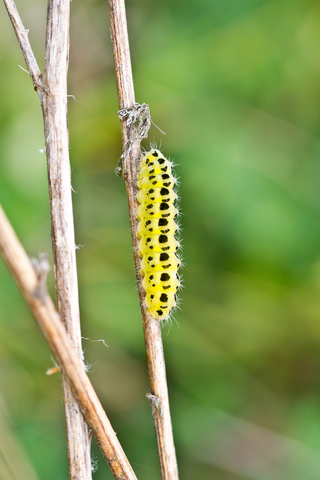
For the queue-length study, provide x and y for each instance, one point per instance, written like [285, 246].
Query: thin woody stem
[22, 36]
[52, 91]
[31, 283]
[131, 138]
[54, 108]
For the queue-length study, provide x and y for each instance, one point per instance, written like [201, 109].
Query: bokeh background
[236, 87]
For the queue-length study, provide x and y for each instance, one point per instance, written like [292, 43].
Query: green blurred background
[235, 86]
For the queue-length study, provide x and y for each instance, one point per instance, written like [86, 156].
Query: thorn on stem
[53, 370]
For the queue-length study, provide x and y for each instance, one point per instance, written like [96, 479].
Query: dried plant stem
[132, 133]
[54, 108]
[22, 36]
[52, 91]
[31, 283]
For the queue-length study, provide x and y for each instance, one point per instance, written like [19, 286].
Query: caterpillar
[157, 229]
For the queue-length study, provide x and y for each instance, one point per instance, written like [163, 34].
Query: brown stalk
[135, 122]
[31, 283]
[52, 91]
[54, 108]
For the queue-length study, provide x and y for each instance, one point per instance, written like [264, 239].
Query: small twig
[42, 308]
[22, 36]
[133, 117]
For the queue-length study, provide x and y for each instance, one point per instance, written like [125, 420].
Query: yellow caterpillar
[156, 231]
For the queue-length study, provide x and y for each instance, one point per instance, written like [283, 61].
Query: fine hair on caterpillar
[157, 233]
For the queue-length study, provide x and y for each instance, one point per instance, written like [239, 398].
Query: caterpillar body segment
[160, 180]
[160, 262]
[164, 169]
[157, 228]
[166, 282]
[156, 194]
[158, 243]
[156, 210]
[165, 301]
